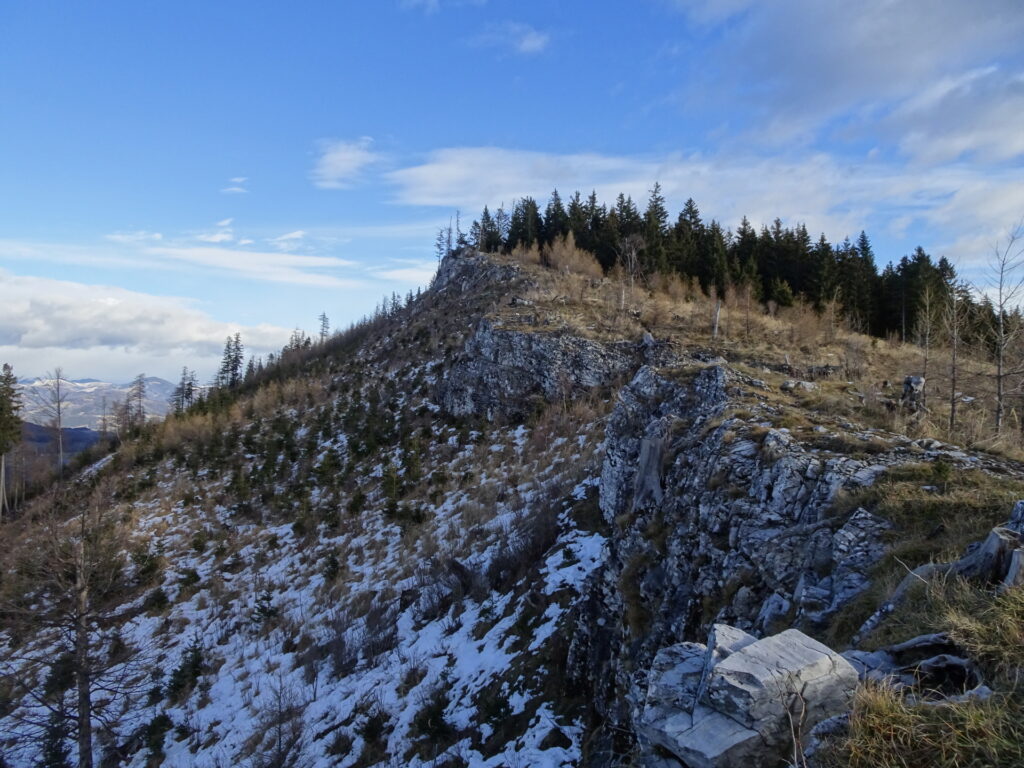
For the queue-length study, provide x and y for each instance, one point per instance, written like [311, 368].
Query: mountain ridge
[462, 532]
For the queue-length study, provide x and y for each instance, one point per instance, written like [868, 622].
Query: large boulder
[786, 675]
[735, 702]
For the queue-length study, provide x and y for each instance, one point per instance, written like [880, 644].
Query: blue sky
[173, 172]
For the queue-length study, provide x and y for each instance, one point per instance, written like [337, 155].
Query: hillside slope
[458, 535]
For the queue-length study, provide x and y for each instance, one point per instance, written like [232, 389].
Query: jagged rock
[707, 739]
[647, 484]
[499, 370]
[675, 676]
[759, 685]
[792, 385]
[740, 717]
[775, 610]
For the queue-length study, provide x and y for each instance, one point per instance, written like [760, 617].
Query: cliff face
[463, 540]
[714, 515]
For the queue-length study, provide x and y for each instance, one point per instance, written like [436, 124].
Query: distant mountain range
[42, 440]
[85, 400]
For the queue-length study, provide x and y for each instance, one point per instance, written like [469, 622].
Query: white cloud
[513, 36]
[260, 265]
[139, 236]
[977, 114]
[224, 222]
[245, 241]
[828, 194]
[861, 62]
[234, 190]
[179, 256]
[99, 328]
[224, 236]
[289, 241]
[413, 272]
[238, 179]
[341, 162]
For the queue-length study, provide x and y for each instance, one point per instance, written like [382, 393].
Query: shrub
[188, 671]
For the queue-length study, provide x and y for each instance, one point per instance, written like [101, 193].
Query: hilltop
[516, 520]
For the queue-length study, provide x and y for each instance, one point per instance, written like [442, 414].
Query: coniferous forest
[780, 265]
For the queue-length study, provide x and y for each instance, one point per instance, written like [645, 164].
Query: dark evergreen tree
[10, 425]
[525, 225]
[556, 220]
[655, 232]
[630, 221]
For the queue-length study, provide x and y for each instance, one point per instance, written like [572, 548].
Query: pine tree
[325, 327]
[501, 224]
[525, 225]
[556, 221]
[630, 221]
[185, 391]
[655, 231]
[137, 401]
[579, 222]
[10, 426]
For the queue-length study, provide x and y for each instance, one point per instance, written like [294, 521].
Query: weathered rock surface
[500, 370]
[732, 704]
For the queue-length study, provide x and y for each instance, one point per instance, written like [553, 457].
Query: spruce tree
[10, 425]
[556, 220]
[655, 231]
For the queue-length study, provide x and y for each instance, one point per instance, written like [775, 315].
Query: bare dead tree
[925, 331]
[51, 398]
[66, 668]
[629, 257]
[954, 320]
[1007, 283]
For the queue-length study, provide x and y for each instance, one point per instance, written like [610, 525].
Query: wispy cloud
[235, 186]
[411, 271]
[184, 255]
[829, 194]
[139, 236]
[289, 241]
[877, 59]
[224, 236]
[514, 37]
[262, 265]
[342, 161]
[224, 222]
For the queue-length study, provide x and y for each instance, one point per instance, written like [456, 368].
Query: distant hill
[85, 398]
[42, 439]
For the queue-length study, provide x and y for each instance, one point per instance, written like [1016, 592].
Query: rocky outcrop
[503, 372]
[998, 559]
[716, 518]
[738, 702]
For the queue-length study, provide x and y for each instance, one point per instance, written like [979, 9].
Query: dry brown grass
[889, 729]
[928, 526]
[573, 298]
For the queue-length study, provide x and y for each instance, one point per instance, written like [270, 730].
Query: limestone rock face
[788, 672]
[499, 370]
[741, 715]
